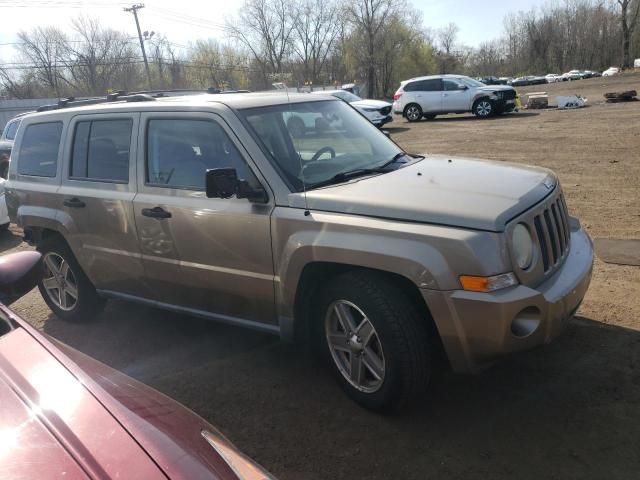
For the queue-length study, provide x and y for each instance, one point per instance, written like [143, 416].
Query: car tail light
[397, 96]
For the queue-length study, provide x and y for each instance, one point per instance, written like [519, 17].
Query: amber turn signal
[487, 284]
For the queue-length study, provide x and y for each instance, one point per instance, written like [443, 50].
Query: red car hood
[66, 421]
[63, 414]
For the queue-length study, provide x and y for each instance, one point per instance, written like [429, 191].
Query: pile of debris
[628, 96]
[570, 101]
[536, 100]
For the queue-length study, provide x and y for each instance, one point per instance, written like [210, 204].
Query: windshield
[312, 142]
[470, 82]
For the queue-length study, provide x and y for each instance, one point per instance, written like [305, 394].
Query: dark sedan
[65, 415]
[528, 80]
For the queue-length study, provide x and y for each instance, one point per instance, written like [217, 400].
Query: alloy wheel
[60, 282]
[484, 108]
[355, 346]
[413, 113]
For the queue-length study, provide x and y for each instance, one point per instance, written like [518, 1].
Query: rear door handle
[156, 212]
[74, 203]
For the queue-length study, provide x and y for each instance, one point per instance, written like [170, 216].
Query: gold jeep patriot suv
[207, 204]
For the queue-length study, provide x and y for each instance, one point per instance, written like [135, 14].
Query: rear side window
[433, 85]
[12, 128]
[39, 149]
[101, 150]
[179, 152]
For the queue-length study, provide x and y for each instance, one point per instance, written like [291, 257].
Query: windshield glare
[311, 142]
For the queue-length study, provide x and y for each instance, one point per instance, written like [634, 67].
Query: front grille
[385, 110]
[508, 94]
[552, 230]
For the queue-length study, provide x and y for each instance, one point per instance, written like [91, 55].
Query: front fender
[430, 256]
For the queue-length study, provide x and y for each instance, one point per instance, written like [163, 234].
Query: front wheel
[64, 286]
[413, 112]
[374, 339]
[483, 108]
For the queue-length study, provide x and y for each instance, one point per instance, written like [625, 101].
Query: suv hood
[460, 192]
[368, 103]
[495, 88]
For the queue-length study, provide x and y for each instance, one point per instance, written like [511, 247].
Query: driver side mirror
[463, 87]
[224, 183]
[19, 273]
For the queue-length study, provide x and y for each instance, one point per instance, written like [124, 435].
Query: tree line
[312, 43]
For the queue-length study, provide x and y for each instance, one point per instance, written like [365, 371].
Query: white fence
[10, 108]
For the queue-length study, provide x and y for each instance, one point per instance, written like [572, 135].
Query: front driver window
[180, 151]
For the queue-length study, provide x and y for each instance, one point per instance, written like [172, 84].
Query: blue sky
[478, 20]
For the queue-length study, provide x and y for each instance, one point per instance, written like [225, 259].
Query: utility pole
[134, 9]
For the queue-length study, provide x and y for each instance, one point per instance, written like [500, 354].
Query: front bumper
[378, 122]
[478, 328]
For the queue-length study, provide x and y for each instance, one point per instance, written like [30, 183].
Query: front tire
[64, 287]
[413, 112]
[483, 108]
[374, 339]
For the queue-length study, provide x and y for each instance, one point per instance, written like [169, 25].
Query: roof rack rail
[119, 96]
[166, 92]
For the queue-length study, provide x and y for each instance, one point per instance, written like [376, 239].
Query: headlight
[370, 109]
[522, 246]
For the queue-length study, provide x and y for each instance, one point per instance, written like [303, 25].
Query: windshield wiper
[348, 175]
[397, 157]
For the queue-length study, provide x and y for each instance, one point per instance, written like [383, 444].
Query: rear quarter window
[38, 154]
[11, 129]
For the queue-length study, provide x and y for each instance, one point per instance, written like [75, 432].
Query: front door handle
[156, 212]
[74, 203]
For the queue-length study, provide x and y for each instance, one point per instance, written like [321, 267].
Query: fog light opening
[526, 322]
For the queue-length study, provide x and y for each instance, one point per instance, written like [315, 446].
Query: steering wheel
[322, 151]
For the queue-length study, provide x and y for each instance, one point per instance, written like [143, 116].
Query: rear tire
[483, 108]
[413, 112]
[64, 287]
[374, 339]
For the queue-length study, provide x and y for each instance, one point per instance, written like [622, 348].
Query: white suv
[440, 94]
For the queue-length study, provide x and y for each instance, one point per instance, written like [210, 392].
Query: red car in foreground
[65, 415]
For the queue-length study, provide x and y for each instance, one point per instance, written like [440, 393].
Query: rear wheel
[483, 108]
[374, 339]
[64, 286]
[413, 112]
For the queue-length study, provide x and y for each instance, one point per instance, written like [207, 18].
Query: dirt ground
[569, 410]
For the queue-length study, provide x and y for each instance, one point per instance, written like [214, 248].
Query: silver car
[384, 259]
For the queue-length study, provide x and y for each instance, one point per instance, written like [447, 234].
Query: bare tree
[100, 59]
[629, 12]
[447, 39]
[43, 48]
[369, 17]
[316, 30]
[265, 28]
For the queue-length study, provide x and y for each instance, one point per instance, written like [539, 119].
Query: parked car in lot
[377, 111]
[65, 415]
[528, 80]
[426, 97]
[572, 75]
[553, 78]
[6, 143]
[493, 80]
[209, 206]
[611, 71]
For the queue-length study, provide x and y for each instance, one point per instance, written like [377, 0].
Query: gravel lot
[567, 410]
